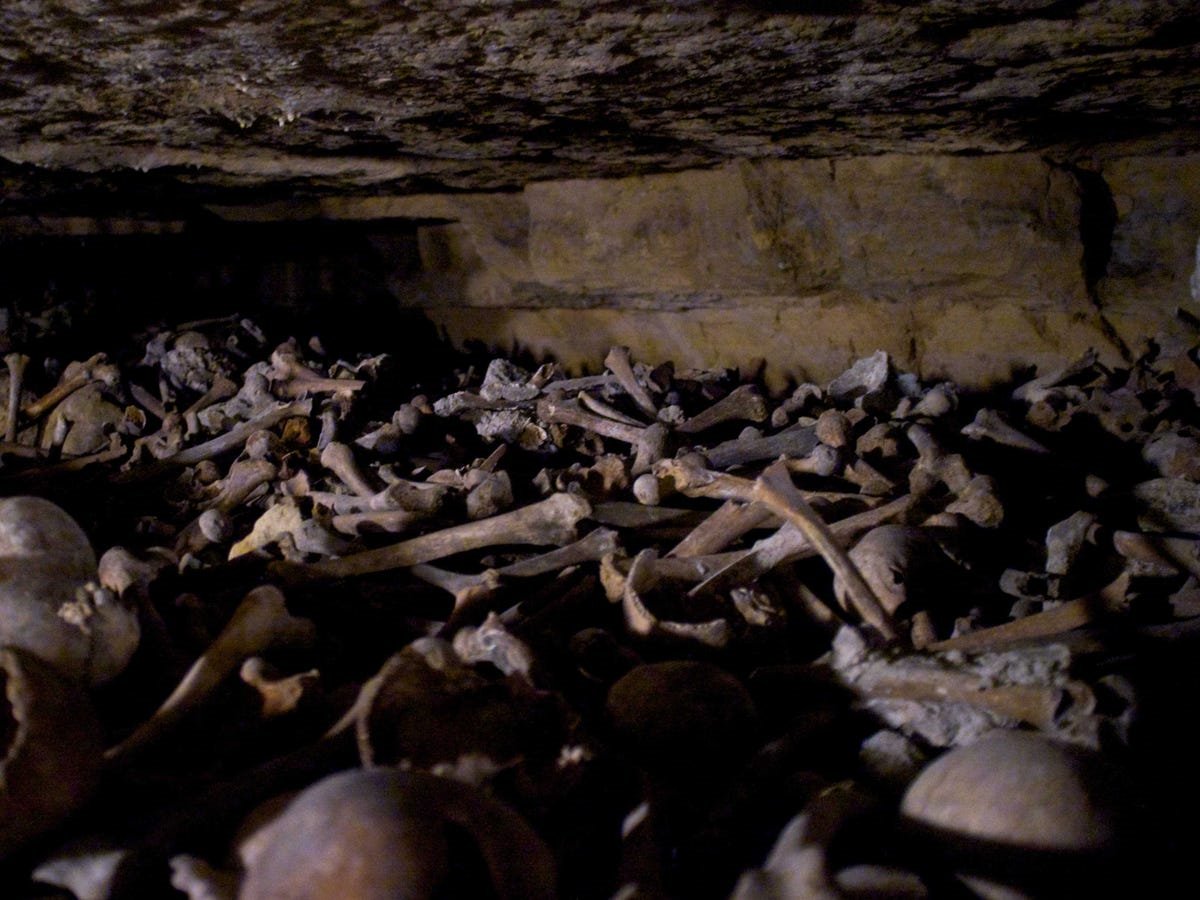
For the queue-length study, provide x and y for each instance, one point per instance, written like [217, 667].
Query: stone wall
[960, 266]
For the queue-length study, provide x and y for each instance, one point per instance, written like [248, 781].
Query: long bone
[793, 442]
[76, 376]
[774, 490]
[338, 458]
[619, 364]
[744, 403]
[260, 622]
[16, 363]
[549, 521]
[648, 443]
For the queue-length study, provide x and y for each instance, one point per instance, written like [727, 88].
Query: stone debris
[663, 642]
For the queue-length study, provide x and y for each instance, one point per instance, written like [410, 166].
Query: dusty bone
[619, 364]
[1033, 391]
[16, 363]
[1181, 553]
[648, 442]
[260, 622]
[833, 429]
[77, 375]
[280, 694]
[774, 490]
[338, 458]
[245, 477]
[392, 521]
[640, 620]
[1050, 623]
[286, 527]
[550, 521]
[1065, 540]
[222, 389]
[230, 440]
[211, 528]
[988, 425]
[789, 544]
[468, 588]
[793, 442]
[594, 404]
[934, 462]
[720, 529]
[1027, 684]
[823, 460]
[799, 863]
[622, 514]
[114, 451]
[744, 403]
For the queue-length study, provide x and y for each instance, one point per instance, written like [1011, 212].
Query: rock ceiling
[267, 98]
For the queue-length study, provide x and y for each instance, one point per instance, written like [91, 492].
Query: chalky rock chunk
[50, 751]
[1168, 504]
[681, 715]
[45, 560]
[381, 834]
[1017, 790]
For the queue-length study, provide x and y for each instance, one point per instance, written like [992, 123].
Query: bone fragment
[793, 442]
[744, 403]
[648, 443]
[1182, 553]
[731, 520]
[640, 620]
[260, 622]
[77, 375]
[989, 426]
[619, 364]
[338, 458]
[16, 363]
[550, 521]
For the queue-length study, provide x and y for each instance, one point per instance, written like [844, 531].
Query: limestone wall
[962, 266]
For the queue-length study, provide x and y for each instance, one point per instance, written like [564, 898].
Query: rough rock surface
[370, 95]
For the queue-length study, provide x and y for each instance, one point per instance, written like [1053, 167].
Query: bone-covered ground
[667, 632]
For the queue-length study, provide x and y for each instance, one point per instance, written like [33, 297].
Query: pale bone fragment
[1051, 623]
[799, 864]
[744, 403]
[640, 620]
[1181, 553]
[793, 442]
[284, 524]
[606, 410]
[121, 572]
[953, 698]
[280, 694]
[988, 425]
[224, 443]
[291, 378]
[870, 481]
[75, 376]
[246, 476]
[619, 364]
[789, 544]
[147, 401]
[261, 622]
[392, 521]
[782, 415]
[222, 389]
[833, 429]
[721, 528]
[1033, 391]
[649, 490]
[16, 363]
[649, 443]
[979, 503]
[1065, 540]
[823, 460]
[902, 564]
[774, 490]
[338, 458]
[467, 589]
[493, 494]
[935, 463]
[491, 642]
[200, 880]
[1168, 504]
[211, 528]
[82, 422]
[550, 521]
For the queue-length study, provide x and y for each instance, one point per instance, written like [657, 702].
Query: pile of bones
[277, 622]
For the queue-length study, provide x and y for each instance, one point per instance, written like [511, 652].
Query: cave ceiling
[266, 99]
